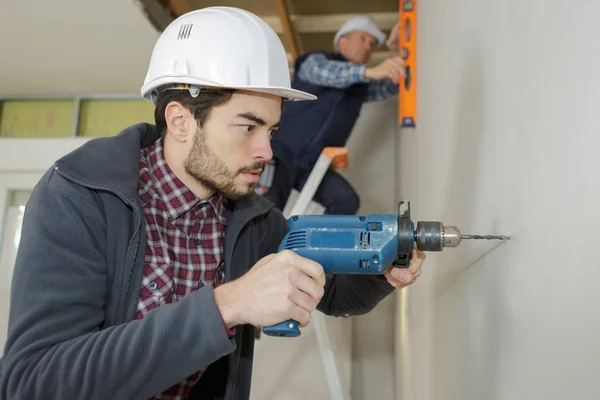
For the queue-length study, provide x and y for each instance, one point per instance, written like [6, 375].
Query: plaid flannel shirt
[185, 242]
[319, 70]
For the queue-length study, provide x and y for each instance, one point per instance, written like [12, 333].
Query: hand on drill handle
[285, 286]
[279, 287]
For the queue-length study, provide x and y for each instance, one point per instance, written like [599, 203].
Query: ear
[177, 119]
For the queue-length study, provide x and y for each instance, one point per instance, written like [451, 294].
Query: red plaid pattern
[185, 242]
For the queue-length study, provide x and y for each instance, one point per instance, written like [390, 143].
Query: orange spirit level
[408, 52]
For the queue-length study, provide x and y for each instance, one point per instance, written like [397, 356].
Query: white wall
[34, 155]
[507, 142]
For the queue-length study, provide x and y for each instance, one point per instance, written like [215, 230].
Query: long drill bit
[486, 237]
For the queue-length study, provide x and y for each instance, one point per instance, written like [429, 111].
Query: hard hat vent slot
[184, 31]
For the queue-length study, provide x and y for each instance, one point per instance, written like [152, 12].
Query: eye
[247, 128]
[272, 132]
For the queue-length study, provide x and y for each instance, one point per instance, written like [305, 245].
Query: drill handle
[288, 328]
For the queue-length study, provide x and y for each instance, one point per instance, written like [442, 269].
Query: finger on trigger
[310, 268]
[307, 285]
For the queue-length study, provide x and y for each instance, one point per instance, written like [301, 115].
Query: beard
[210, 171]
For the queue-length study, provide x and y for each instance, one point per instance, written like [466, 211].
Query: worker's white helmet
[364, 23]
[221, 47]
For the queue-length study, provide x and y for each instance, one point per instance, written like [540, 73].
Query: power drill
[351, 244]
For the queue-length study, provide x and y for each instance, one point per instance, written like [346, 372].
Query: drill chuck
[434, 236]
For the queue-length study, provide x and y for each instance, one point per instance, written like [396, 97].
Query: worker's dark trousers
[334, 192]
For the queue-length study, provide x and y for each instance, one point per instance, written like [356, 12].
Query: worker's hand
[278, 288]
[402, 277]
[390, 68]
[393, 41]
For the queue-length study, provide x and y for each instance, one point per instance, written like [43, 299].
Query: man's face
[229, 153]
[357, 46]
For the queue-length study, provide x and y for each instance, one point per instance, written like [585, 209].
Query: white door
[14, 192]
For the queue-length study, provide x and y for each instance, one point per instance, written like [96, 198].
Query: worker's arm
[55, 347]
[319, 70]
[381, 90]
[382, 79]
[347, 295]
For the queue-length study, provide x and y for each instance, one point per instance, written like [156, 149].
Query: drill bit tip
[486, 237]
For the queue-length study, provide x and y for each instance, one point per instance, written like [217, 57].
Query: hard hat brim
[286, 93]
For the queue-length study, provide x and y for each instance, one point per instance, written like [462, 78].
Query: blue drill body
[345, 244]
[348, 244]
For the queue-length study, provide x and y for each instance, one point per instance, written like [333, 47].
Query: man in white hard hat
[147, 259]
[342, 82]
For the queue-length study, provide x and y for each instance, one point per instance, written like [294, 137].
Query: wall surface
[507, 142]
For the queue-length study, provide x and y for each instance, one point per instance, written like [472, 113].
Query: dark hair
[200, 106]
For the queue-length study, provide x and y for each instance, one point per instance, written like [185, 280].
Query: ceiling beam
[156, 12]
[178, 7]
[328, 22]
[160, 17]
[288, 29]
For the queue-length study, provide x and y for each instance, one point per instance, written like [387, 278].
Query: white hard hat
[222, 47]
[364, 23]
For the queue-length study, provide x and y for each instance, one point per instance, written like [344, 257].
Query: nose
[261, 149]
